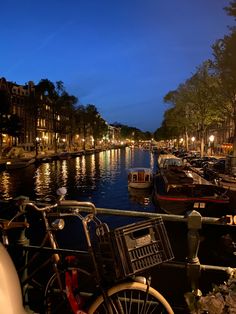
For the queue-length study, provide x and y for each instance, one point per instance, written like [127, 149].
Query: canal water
[100, 178]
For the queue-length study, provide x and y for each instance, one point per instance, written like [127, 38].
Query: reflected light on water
[42, 179]
[5, 185]
[152, 156]
[92, 167]
[64, 172]
[100, 178]
[140, 196]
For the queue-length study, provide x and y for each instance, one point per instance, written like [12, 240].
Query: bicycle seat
[10, 296]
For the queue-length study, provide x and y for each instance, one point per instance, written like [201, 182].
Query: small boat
[19, 163]
[140, 178]
[177, 190]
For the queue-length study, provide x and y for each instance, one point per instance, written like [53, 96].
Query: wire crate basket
[134, 248]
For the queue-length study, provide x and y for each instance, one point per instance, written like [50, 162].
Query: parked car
[199, 162]
[212, 169]
[218, 165]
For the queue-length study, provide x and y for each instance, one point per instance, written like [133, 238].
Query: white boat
[140, 178]
[19, 163]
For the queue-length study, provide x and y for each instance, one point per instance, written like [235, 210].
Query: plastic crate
[134, 248]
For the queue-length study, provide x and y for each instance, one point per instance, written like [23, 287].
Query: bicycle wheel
[56, 300]
[132, 298]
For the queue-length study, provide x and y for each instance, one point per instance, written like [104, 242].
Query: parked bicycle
[117, 284]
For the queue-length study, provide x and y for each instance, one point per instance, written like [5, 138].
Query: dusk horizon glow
[123, 57]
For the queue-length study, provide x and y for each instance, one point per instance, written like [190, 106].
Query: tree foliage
[231, 9]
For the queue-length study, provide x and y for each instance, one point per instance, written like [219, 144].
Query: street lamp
[83, 140]
[193, 140]
[211, 139]
[37, 146]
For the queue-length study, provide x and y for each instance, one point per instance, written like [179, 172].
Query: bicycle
[32, 264]
[128, 292]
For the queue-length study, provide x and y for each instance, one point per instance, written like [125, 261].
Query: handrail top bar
[165, 217]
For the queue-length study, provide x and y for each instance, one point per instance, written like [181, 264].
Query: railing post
[23, 241]
[194, 223]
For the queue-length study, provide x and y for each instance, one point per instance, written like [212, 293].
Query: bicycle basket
[134, 248]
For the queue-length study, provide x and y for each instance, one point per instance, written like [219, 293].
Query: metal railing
[194, 222]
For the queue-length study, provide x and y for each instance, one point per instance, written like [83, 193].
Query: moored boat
[140, 178]
[19, 163]
[168, 160]
[177, 190]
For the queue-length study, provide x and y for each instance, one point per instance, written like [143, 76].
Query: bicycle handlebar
[41, 209]
[63, 203]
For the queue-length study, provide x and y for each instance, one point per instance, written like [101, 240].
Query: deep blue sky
[123, 56]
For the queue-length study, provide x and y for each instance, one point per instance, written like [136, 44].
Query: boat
[177, 190]
[169, 160]
[19, 163]
[140, 178]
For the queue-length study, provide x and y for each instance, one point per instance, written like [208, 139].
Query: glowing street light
[193, 140]
[211, 139]
[37, 140]
[83, 140]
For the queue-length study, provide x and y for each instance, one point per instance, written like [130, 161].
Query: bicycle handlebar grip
[73, 203]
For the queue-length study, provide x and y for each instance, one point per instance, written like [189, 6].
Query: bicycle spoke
[132, 301]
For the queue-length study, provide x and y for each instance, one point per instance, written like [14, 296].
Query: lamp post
[193, 141]
[64, 144]
[37, 146]
[83, 140]
[211, 139]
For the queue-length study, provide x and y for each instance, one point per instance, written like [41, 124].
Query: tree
[203, 91]
[62, 105]
[179, 116]
[65, 106]
[224, 64]
[231, 9]
[195, 105]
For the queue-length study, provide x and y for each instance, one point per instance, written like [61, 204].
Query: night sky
[123, 56]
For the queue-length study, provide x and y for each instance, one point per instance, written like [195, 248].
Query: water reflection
[42, 179]
[5, 182]
[100, 177]
[140, 196]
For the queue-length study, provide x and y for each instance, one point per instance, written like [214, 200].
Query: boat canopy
[140, 174]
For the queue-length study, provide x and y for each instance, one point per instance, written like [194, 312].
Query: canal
[100, 178]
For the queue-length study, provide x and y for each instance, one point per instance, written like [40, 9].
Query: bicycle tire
[55, 300]
[130, 297]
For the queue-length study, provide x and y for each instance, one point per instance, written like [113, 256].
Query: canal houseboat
[177, 190]
[140, 178]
